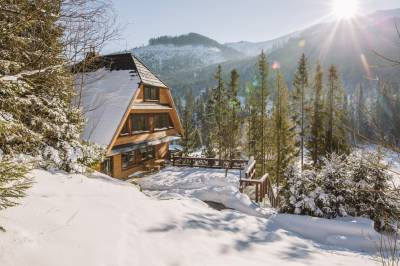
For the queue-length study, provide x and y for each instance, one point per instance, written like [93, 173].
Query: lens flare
[345, 9]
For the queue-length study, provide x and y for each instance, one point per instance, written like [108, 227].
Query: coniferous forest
[287, 152]
[305, 135]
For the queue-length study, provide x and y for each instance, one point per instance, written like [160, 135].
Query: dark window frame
[130, 163]
[164, 119]
[146, 150]
[146, 126]
[151, 94]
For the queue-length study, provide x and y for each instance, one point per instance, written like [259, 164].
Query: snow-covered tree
[356, 185]
[36, 94]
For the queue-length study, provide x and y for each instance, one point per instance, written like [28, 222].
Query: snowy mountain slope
[74, 220]
[170, 54]
[326, 42]
[255, 48]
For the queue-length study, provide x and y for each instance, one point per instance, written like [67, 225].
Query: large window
[139, 123]
[147, 153]
[162, 121]
[151, 94]
[129, 160]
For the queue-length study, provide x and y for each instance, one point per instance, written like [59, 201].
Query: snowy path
[73, 220]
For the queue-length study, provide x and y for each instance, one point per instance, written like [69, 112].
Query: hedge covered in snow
[355, 185]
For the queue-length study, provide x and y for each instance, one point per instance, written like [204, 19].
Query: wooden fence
[250, 170]
[209, 162]
[263, 188]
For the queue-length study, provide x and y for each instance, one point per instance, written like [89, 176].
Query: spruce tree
[199, 121]
[189, 139]
[251, 108]
[336, 137]
[37, 89]
[361, 117]
[282, 131]
[263, 72]
[210, 125]
[300, 84]
[220, 114]
[315, 142]
[233, 119]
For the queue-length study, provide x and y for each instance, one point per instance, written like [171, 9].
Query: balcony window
[140, 123]
[151, 94]
[162, 121]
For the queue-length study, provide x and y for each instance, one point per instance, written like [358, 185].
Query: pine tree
[200, 124]
[210, 125]
[263, 71]
[315, 142]
[300, 84]
[37, 89]
[336, 137]
[233, 119]
[190, 138]
[282, 131]
[220, 114]
[251, 108]
[361, 117]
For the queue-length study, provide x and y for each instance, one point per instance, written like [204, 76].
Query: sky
[223, 20]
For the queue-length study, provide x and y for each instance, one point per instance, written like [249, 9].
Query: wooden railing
[250, 170]
[263, 188]
[209, 162]
[263, 185]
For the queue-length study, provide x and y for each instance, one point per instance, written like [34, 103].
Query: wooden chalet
[129, 111]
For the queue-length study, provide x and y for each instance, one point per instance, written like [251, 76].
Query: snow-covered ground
[201, 183]
[75, 220]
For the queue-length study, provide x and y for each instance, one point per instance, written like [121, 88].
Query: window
[128, 160]
[151, 94]
[147, 153]
[139, 123]
[125, 130]
[106, 166]
[162, 121]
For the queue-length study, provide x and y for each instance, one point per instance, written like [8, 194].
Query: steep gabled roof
[146, 76]
[109, 84]
[105, 89]
[105, 98]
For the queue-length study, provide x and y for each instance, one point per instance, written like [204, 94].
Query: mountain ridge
[192, 66]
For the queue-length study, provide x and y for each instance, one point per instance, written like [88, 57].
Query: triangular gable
[146, 76]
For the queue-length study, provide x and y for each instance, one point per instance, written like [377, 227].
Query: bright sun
[345, 9]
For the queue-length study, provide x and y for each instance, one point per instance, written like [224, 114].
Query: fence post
[256, 192]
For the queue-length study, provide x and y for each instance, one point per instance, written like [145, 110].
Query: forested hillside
[329, 43]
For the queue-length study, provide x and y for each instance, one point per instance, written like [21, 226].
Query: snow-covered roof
[104, 91]
[106, 95]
